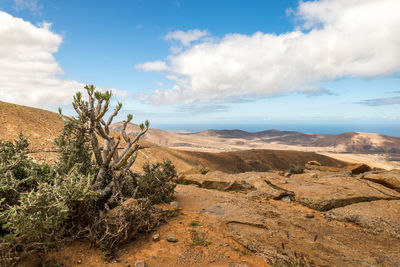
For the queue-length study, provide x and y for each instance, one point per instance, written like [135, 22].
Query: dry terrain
[324, 217]
[43, 126]
[247, 210]
[377, 150]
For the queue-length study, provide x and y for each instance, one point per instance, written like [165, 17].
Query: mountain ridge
[236, 139]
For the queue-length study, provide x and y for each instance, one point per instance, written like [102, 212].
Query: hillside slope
[230, 140]
[43, 126]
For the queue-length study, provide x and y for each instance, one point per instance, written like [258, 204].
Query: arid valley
[248, 209]
[181, 133]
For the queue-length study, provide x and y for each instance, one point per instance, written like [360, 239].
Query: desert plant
[296, 169]
[204, 170]
[17, 172]
[155, 183]
[112, 165]
[90, 192]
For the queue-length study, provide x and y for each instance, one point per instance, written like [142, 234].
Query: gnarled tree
[113, 163]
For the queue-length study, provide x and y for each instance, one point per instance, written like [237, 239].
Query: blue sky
[214, 63]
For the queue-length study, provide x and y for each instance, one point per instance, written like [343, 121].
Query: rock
[390, 179]
[286, 199]
[309, 215]
[238, 265]
[255, 194]
[281, 173]
[287, 174]
[171, 238]
[218, 180]
[280, 194]
[174, 203]
[262, 227]
[333, 192]
[79, 262]
[156, 237]
[357, 168]
[313, 163]
[380, 215]
[321, 168]
[140, 263]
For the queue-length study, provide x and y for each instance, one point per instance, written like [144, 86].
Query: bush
[296, 169]
[42, 206]
[204, 170]
[17, 172]
[155, 183]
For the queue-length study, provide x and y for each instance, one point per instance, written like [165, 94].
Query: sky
[209, 64]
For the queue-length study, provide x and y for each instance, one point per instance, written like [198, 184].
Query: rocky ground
[323, 217]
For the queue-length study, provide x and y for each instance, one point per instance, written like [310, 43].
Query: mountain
[231, 140]
[43, 126]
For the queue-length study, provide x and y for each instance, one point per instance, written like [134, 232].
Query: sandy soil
[373, 160]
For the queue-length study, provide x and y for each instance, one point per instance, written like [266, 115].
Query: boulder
[217, 180]
[312, 165]
[357, 168]
[332, 192]
[380, 215]
[390, 179]
[281, 232]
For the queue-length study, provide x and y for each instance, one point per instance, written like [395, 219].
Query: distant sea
[385, 129]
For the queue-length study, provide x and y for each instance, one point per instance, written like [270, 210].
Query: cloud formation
[380, 101]
[28, 69]
[333, 39]
[32, 5]
[157, 65]
[186, 38]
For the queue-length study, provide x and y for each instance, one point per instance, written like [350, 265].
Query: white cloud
[337, 38]
[152, 66]
[28, 69]
[186, 38]
[32, 5]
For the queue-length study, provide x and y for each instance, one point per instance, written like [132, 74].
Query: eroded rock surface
[332, 192]
[380, 215]
[389, 179]
[278, 230]
[317, 190]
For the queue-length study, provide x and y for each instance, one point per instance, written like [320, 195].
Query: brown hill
[43, 126]
[229, 140]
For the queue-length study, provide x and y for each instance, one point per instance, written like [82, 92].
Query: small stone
[156, 237]
[79, 261]
[174, 203]
[140, 263]
[309, 215]
[171, 238]
[286, 199]
[287, 174]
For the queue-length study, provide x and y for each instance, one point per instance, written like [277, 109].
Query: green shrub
[155, 183]
[88, 193]
[18, 173]
[204, 170]
[296, 169]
